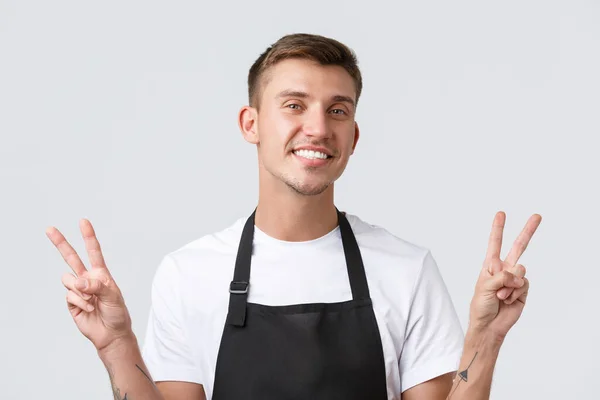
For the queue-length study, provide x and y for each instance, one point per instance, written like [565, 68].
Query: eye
[293, 106]
[338, 111]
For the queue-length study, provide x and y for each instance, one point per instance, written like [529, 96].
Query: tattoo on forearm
[146, 375]
[117, 394]
[463, 376]
[116, 391]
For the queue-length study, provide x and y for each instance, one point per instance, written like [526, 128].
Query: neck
[293, 217]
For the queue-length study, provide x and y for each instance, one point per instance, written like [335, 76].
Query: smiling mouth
[311, 155]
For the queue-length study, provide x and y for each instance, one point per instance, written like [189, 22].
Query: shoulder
[223, 242]
[394, 266]
[205, 253]
[375, 238]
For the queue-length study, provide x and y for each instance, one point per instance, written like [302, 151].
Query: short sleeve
[434, 337]
[166, 350]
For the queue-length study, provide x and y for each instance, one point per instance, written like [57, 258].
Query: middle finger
[523, 239]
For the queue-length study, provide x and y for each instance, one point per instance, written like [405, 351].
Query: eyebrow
[304, 95]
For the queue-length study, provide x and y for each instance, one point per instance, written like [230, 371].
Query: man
[300, 300]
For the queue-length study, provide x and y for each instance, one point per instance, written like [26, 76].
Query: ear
[248, 123]
[356, 136]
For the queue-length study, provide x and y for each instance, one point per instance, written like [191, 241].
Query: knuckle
[509, 279]
[96, 254]
[98, 283]
[523, 271]
[519, 270]
[71, 257]
[109, 283]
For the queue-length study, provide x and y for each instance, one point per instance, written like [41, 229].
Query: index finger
[66, 250]
[495, 241]
[91, 244]
[522, 240]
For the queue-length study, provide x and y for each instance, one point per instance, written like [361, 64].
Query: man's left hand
[501, 290]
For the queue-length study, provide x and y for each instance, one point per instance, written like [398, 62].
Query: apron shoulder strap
[354, 262]
[238, 288]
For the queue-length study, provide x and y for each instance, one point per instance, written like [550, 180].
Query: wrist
[482, 337]
[120, 347]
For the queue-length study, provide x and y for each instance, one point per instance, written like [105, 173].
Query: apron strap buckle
[238, 287]
[237, 303]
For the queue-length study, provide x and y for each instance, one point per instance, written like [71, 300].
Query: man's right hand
[93, 298]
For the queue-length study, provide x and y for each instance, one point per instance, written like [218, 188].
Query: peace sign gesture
[93, 298]
[501, 290]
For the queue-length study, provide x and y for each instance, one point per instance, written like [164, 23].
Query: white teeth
[311, 155]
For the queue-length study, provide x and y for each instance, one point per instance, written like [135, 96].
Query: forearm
[129, 377]
[474, 378]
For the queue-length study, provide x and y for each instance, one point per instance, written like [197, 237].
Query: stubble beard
[303, 188]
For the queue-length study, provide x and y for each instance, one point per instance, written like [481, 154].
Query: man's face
[305, 127]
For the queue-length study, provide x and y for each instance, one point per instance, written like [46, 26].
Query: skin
[299, 200]
[301, 103]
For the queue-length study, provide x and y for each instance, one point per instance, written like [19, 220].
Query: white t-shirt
[421, 335]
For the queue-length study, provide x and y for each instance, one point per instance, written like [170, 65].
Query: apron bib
[318, 351]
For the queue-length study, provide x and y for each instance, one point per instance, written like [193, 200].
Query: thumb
[503, 279]
[94, 286]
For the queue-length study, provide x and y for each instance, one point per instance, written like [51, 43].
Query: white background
[125, 113]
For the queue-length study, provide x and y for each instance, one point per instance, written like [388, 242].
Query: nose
[316, 124]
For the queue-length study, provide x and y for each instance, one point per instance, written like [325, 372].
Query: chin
[308, 188]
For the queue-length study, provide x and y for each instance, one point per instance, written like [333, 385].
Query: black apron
[319, 351]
